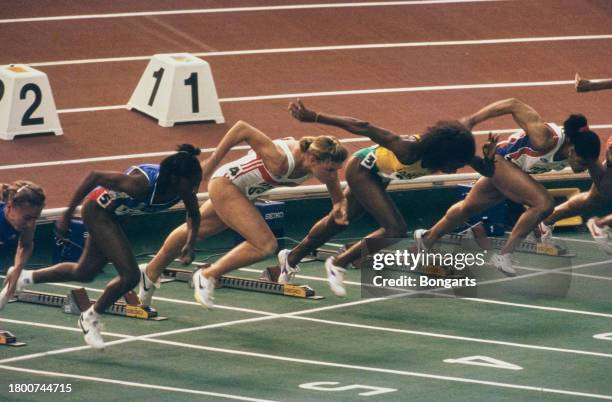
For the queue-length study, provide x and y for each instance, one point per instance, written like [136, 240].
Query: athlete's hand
[489, 148]
[11, 279]
[581, 85]
[339, 213]
[301, 113]
[62, 227]
[187, 254]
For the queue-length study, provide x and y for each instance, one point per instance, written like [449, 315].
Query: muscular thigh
[517, 185]
[237, 211]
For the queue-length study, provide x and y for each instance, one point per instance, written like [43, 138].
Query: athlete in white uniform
[542, 147]
[232, 189]
[251, 175]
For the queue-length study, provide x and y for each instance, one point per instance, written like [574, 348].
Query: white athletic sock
[91, 313]
[26, 277]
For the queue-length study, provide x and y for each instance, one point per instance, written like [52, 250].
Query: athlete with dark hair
[599, 195]
[445, 147]
[538, 148]
[142, 188]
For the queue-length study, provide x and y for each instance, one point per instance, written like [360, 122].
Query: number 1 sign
[177, 88]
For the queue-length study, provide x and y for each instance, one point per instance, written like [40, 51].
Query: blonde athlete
[232, 189]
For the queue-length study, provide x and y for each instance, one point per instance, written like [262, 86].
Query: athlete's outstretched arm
[583, 85]
[407, 150]
[524, 115]
[243, 131]
[133, 185]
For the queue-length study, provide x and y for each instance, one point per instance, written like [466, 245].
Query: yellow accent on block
[17, 69]
[292, 290]
[564, 194]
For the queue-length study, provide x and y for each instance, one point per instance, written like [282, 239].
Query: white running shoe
[335, 277]
[25, 279]
[90, 324]
[146, 287]
[287, 272]
[503, 262]
[203, 289]
[600, 235]
[418, 238]
[546, 233]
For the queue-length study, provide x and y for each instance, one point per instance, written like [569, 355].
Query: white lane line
[132, 384]
[242, 9]
[356, 367]
[454, 337]
[210, 150]
[336, 48]
[385, 371]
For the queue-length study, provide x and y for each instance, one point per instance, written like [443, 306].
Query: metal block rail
[253, 285]
[498, 243]
[8, 339]
[77, 301]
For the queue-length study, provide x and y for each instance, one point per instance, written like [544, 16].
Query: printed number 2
[319, 386]
[27, 119]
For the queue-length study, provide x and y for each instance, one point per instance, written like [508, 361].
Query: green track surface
[544, 323]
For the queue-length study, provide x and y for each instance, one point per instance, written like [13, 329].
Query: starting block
[78, 301]
[474, 236]
[26, 102]
[177, 88]
[267, 283]
[8, 339]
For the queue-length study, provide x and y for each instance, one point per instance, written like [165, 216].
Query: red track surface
[118, 132]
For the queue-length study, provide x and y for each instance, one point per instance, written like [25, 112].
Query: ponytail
[324, 147]
[184, 163]
[586, 142]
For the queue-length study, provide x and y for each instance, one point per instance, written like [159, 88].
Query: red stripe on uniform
[254, 167]
[249, 164]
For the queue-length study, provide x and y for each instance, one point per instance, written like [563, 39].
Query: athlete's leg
[577, 205]
[481, 197]
[374, 199]
[210, 224]
[239, 214]
[523, 189]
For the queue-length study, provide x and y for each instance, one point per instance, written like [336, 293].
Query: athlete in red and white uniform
[232, 188]
[251, 175]
[542, 147]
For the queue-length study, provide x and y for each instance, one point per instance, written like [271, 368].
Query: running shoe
[600, 235]
[146, 287]
[203, 289]
[90, 324]
[25, 279]
[503, 262]
[335, 277]
[287, 272]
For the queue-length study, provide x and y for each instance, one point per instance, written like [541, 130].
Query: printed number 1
[1, 89]
[192, 81]
[158, 76]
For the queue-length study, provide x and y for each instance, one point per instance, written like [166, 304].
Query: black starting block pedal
[8, 339]
[255, 285]
[78, 301]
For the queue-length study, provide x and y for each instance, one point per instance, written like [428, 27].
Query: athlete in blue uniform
[143, 188]
[21, 204]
